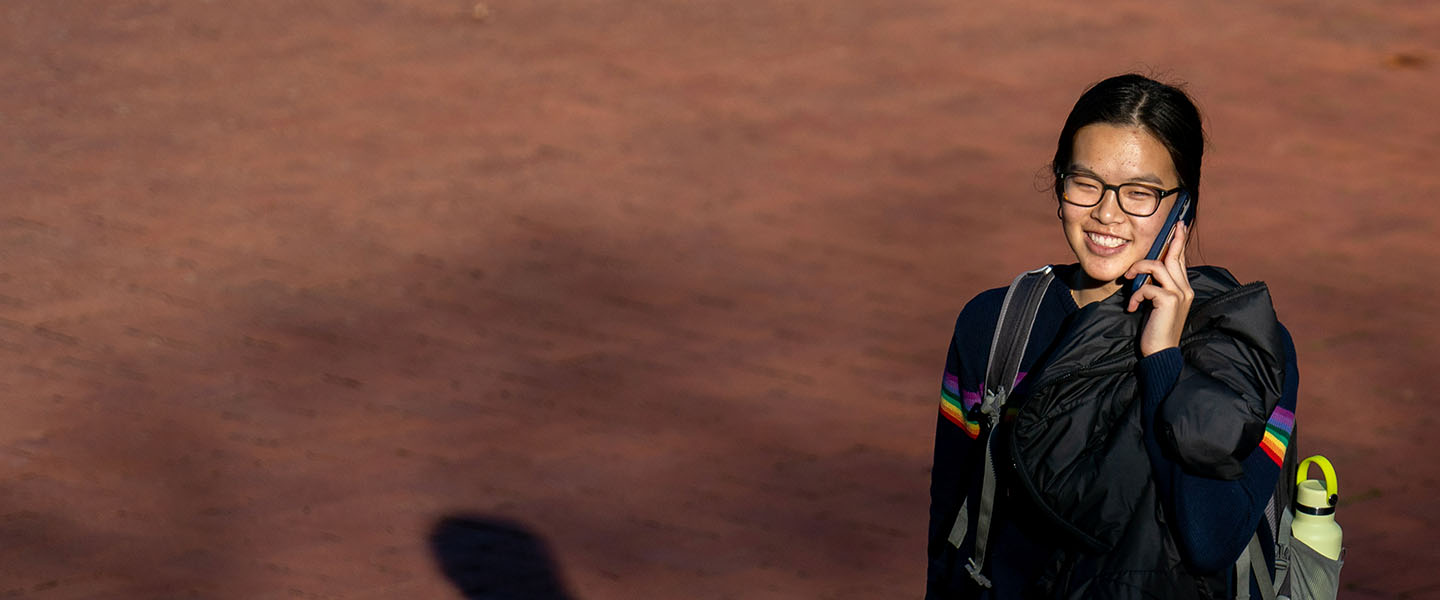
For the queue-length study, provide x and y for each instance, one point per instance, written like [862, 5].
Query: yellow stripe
[1274, 443]
[972, 428]
[958, 417]
[952, 410]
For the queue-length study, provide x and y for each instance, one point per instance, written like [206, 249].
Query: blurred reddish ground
[669, 283]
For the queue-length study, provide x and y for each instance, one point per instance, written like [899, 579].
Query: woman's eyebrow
[1148, 178]
[1078, 167]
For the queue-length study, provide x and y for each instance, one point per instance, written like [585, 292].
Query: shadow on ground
[495, 559]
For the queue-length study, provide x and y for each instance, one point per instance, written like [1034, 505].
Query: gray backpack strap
[1007, 348]
[1012, 334]
[1259, 569]
[1283, 580]
[1242, 575]
[1277, 519]
[1252, 559]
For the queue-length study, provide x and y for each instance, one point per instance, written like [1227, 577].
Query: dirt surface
[295, 300]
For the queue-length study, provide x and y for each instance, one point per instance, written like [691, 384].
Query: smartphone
[1178, 213]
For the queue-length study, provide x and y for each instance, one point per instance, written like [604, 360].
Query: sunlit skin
[1128, 154]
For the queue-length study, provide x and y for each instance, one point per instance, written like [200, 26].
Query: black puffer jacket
[1077, 436]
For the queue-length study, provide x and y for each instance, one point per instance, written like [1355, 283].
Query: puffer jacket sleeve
[1234, 376]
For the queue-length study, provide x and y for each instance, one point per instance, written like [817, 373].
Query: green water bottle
[1315, 502]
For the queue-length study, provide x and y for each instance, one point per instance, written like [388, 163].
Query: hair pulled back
[1164, 111]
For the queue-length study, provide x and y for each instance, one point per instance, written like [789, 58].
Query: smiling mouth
[1106, 241]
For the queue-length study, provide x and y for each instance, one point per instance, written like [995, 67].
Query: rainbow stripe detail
[957, 405]
[1277, 434]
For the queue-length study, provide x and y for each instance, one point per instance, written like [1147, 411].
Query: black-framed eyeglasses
[1136, 199]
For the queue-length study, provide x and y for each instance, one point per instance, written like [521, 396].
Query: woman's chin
[1100, 273]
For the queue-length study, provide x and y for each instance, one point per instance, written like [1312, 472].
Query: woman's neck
[1086, 290]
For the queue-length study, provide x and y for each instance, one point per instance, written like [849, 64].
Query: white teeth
[1105, 240]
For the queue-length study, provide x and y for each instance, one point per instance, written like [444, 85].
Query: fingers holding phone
[1167, 289]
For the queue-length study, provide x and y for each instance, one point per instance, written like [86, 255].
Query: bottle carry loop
[1007, 349]
[1332, 485]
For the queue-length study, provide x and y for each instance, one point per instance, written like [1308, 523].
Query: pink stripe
[972, 398]
[952, 384]
[1283, 418]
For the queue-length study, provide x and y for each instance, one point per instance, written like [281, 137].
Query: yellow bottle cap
[1314, 494]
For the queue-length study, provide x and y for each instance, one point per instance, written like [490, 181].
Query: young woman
[1147, 429]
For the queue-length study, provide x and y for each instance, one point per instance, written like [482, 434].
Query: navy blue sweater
[1212, 519]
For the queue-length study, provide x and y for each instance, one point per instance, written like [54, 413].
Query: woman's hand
[1169, 293]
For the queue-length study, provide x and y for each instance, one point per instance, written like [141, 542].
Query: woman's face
[1105, 239]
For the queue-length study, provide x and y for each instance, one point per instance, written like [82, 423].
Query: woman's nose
[1108, 210]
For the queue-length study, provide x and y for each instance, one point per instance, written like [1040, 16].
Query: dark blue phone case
[1181, 208]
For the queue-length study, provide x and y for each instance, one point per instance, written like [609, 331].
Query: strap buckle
[989, 407]
[974, 571]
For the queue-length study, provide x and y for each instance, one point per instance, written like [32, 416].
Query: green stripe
[1280, 434]
[958, 405]
[945, 395]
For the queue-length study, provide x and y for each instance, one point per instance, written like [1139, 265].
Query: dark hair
[1162, 110]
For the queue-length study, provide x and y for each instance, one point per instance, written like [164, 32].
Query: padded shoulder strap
[1012, 330]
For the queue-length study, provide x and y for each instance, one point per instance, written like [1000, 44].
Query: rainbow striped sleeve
[1277, 434]
[956, 405]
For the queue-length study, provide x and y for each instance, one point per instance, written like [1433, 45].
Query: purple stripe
[952, 384]
[967, 397]
[972, 398]
[1283, 419]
